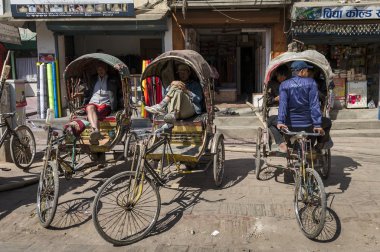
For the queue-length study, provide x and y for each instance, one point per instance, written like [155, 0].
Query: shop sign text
[71, 8]
[337, 12]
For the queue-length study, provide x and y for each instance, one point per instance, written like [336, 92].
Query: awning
[9, 34]
[231, 4]
[110, 27]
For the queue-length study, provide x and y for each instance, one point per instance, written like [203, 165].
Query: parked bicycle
[22, 142]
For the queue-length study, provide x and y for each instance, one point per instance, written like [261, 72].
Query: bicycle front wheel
[47, 194]
[310, 203]
[23, 147]
[126, 208]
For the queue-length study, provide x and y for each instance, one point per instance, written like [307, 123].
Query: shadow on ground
[341, 168]
[70, 213]
[340, 173]
[235, 170]
[332, 228]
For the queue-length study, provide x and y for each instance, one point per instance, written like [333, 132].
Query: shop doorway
[247, 71]
[240, 55]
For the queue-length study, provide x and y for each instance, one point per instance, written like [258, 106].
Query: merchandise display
[356, 69]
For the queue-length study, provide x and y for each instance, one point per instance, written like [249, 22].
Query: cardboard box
[340, 88]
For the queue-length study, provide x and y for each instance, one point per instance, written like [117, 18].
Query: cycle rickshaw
[306, 164]
[188, 146]
[69, 153]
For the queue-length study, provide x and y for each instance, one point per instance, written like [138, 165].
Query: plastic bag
[371, 104]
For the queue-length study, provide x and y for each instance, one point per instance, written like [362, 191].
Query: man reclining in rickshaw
[183, 99]
[100, 99]
[299, 108]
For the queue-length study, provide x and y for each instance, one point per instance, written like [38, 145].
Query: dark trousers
[272, 126]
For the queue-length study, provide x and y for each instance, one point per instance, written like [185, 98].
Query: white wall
[110, 44]
[168, 37]
[45, 38]
[61, 64]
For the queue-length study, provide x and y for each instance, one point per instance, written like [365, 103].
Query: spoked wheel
[325, 159]
[126, 209]
[130, 146]
[219, 156]
[23, 147]
[47, 193]
[310, 204]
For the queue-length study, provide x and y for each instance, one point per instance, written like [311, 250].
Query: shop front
[348, 35]
[238, 42]
[131, 30]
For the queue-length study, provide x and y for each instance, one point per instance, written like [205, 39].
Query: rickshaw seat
[195, 123]
[186, 138]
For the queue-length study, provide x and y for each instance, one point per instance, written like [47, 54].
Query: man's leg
[160, 107]
[325, 142]
[181, 105]
[272, 125]
[326, 126]
[92, 117]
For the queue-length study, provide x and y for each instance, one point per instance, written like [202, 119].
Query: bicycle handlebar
[164, 128]
[301, 133]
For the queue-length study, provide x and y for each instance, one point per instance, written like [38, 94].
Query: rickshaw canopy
[310, 56]
[87, 62]
[164, 66]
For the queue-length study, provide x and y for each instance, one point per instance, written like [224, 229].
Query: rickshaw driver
[183, 99]
[299, 108]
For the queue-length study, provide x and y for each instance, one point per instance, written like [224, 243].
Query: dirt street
[248, 215]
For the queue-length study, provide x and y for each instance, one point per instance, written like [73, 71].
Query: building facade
[237, 37]
[348, 34]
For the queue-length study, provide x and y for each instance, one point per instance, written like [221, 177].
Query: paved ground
[250, 215]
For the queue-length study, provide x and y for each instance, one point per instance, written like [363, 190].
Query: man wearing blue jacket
[299, 108]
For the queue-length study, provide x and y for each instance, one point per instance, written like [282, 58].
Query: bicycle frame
[7, 132]
[143, 167]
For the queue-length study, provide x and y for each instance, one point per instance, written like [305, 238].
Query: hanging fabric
[26, 69]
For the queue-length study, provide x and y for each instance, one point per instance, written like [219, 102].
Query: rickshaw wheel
[126, 208]
[310, 204]
[130, 146]
[219, 156]
[47, 193]
[326, 164]
[258, 152]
